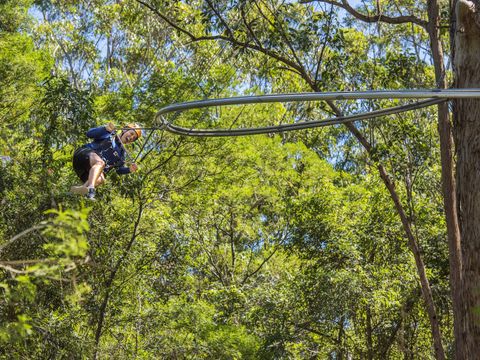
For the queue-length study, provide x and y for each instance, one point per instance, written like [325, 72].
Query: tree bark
[467, 137]
[448, 178]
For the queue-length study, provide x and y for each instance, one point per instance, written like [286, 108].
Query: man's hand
[133, 167]
[110, 127]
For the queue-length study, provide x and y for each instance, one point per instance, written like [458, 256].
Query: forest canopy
[326, 243]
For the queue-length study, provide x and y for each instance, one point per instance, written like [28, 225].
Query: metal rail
[435, 96]
[300, 125]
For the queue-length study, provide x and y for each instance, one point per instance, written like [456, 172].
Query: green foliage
[22, 68]
[64, 111]
[65, 249]
[189, 330]
[13, 14]
[263, 247]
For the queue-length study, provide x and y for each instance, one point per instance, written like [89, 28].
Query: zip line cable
[300, 125]
[318, 96]
[434, 96]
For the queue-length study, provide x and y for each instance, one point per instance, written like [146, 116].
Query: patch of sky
[5, 159]
[35, 13]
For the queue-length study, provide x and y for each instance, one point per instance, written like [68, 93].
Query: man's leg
[101, 179]
[95, 176]
[81, 164]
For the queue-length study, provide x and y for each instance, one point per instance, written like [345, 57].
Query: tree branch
[111, 278]
[279, 29]
[224, 23]
[374, 18]
[23, 233]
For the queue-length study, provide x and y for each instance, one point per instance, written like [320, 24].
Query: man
[93, 161]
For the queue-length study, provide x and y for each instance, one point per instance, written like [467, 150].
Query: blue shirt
[107, 145]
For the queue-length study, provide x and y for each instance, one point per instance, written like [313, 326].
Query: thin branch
[224, 23]
[247, 25]
[324, 45]
[280, 30]
[111, 278]
[248, 276]
[373, 18]
[23, 233]
[65, 52]
[167, 20]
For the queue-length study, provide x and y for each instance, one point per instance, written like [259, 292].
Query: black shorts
[81, 162]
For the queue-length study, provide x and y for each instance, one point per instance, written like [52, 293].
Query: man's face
[129, 136]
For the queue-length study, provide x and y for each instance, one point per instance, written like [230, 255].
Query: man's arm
[123, 170]
[101, 132]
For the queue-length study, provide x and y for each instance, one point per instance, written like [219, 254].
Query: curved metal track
[300, 125]
[435, 96]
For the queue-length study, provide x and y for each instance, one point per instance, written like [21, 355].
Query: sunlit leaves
[256, 247]
[24, 279]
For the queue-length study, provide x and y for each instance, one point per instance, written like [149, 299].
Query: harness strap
[107, 145]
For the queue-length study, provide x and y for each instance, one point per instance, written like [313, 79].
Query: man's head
[130, 133]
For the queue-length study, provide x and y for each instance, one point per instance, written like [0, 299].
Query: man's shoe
[80, 190]
[90, 194]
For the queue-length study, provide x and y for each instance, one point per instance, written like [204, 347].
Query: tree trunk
[448, 178]
[467, 136]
